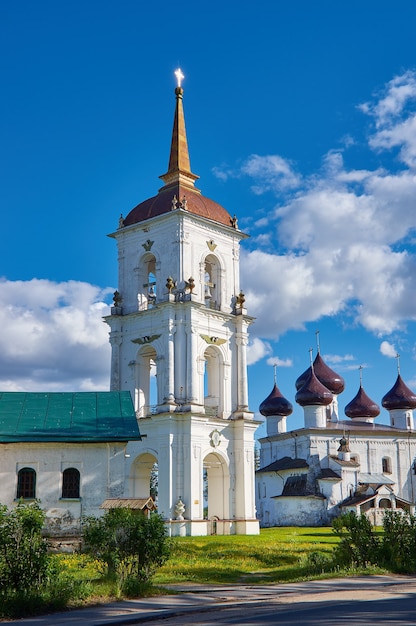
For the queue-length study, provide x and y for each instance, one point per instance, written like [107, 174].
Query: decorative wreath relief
[215, 438]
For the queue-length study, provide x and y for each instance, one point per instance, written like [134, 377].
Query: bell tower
[179, 331]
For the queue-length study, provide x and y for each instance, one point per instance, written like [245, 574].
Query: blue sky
[301, 119]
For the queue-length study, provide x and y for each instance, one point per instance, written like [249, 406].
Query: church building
[331, 466]
[179, 333]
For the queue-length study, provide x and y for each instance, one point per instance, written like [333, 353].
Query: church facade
[310, 475]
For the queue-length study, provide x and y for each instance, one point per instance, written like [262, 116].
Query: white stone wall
[318, 447]
[101, 468]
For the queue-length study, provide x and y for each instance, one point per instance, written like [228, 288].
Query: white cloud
[393, 100]
[335, 359]
[340, 237]
[388, 349]
[53, 336]
[395, 124]
[275, 360]
[271, 172]
[256, 350]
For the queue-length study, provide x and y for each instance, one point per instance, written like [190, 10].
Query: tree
[23, 550]
[131, 545]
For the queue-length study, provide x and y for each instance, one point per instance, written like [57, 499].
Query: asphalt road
[390, 612]
[356, 601]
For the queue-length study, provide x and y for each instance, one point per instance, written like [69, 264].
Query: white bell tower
[179, 337]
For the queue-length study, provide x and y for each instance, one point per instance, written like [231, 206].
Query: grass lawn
[276, 555]
[284, 554]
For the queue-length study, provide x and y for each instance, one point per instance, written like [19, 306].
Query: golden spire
[179, 170]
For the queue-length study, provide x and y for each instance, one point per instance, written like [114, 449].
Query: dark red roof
[362, 406]
[195, 203]
[275, 404]
[332, 381]
[399, 396]
[313, 392]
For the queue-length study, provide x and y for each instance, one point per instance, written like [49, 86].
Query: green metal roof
[72, 417]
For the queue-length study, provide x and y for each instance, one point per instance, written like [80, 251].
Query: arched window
[384, 503]
[213, 382]
[26, 483]
[71, 483]
[146, 391]
[386, 465]
[146, 297]
[212, 278]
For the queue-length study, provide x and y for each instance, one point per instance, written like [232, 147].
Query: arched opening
[384, 503]
[147, 291]
[26, 483]
[216, 488]
[144, 477]
[71, 480]
[146, 388]
[212, 282]
[213, 382]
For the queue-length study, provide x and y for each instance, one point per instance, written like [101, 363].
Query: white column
[115, 341]
[180, 361]
[191, 366]
[242, 387]
[169, 392]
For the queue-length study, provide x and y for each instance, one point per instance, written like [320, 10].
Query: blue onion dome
[399, 397]
[362, 406]
[330, 379]
[275, 404]
[313, 392]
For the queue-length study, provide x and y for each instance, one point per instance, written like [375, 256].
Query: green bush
[359, 546]
[23, 550]
[131, 546]
[398, 548]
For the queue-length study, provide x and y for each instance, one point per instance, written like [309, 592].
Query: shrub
[131, 545]
[358, 546]
[398, 548]
[23, 550]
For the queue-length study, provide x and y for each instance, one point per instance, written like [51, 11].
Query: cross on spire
[179, 76]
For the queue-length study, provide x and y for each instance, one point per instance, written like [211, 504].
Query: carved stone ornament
[240, 300]
[170, 284]
[179, 204]
[116, 298]
[211, 245]
[148, 245]
[179, 509]
[234, 221]
[121, 221]
[145, 339]
[190, 284]
[213, 340]
[215, 438]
